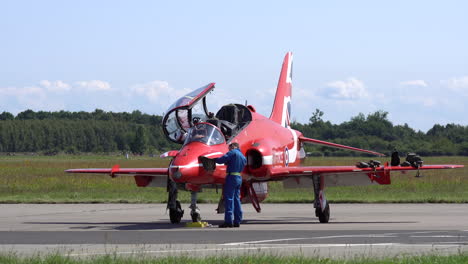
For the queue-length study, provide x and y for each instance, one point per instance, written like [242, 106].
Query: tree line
[75, 132]
[376, 132]
[107, 132]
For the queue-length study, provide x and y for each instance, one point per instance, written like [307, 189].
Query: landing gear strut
[175, 209]
[322, 208]
[195, 212]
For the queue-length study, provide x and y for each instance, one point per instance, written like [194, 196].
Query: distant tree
[316, 117]
[26, 115]
[463, 149]
[6, 116]
[140, 141]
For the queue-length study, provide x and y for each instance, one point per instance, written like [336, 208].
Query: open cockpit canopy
[191, 109]
[185, 113]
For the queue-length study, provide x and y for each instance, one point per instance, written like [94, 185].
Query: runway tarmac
[281, 229]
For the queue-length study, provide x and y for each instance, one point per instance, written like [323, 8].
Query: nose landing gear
[195, 212]
[175, 209]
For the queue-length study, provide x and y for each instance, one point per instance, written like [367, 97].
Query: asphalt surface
[281, 229]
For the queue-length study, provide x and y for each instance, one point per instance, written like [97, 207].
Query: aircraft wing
[380, 174]
[116, 170]
[333, 145]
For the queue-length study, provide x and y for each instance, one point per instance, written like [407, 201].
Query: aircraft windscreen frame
[205, 133]
[187, 99]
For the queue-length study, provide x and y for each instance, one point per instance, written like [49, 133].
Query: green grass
[55, 259]
[40, 179]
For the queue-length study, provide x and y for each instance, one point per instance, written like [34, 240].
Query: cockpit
[189, 115]
[204, 133]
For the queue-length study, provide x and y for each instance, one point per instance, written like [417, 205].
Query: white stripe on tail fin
[281, 112]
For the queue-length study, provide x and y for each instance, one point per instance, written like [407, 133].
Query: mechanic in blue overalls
[235, 162]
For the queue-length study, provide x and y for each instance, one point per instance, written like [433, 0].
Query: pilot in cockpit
[200, 132]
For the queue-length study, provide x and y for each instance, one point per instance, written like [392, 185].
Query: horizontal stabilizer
[333, 145]
[380, 174]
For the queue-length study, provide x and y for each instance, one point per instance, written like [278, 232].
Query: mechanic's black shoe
[236, 225]
[225, 225]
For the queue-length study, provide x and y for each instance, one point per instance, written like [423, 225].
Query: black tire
[176, 214]
[324, 216]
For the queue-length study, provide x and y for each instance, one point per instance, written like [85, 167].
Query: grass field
[53, 259]
[40, 179]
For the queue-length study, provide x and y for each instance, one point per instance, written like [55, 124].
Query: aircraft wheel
[324, 216]
[176, 214]
[196, 217]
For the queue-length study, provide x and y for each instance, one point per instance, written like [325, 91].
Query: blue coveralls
[235, 162]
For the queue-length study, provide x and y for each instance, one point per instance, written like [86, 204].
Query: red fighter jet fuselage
[273, 149]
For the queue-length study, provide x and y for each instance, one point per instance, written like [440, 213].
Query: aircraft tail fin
[281, 112]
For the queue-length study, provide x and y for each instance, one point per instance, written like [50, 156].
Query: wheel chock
[197, 224]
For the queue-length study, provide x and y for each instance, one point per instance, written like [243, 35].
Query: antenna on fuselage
[245, 102]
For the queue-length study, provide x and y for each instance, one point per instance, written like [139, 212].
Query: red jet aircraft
[273, 149]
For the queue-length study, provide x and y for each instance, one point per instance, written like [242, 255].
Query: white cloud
[420, 83]
[22, 91]
[27, 97]
[55, 86]
[459, 85]
[60, 86]
[352, 88]
[50, 95]
[154, 91]
[94, 85]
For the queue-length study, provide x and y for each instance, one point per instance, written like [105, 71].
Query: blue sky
[409, 58]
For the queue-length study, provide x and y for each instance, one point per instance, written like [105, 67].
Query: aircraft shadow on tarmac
[163, 224]
[131, 226]
[309, 221]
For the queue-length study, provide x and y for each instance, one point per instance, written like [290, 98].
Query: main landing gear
[323, 215]
[322, 208]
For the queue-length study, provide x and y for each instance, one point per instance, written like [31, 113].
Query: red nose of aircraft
[187, 167]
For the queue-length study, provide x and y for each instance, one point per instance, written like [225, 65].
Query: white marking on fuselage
[288, 75]
[267, 160]
[293, 151]
[286, 100]
[212, 154]
[187, 166]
